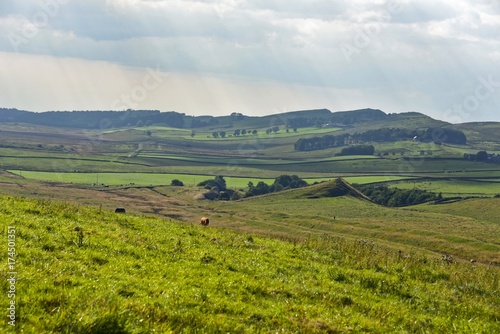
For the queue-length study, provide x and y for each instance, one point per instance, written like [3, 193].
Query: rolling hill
[318, 259]
[334, 188]
[304, 118]
[87, 270]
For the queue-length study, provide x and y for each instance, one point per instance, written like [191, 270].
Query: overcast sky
[256, 57]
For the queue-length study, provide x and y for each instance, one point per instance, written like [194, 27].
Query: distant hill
[354, 122]
[479, 131]
[137, 118]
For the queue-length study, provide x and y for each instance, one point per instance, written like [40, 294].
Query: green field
[261, 134]
[454, 187]
[147, 179]
[84, 270]
[127, 179]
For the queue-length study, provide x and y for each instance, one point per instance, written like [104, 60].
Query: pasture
[289, 214]
[156, 179]
[457, 187]
[92, 271]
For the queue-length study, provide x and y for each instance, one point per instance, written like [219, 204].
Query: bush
[358, 150]
[397, 197]
[218, 182]
[177, 183]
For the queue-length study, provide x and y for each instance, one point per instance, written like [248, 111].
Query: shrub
[177, 183]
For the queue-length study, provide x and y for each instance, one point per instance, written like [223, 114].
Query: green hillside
[84, 270]
[334, 188]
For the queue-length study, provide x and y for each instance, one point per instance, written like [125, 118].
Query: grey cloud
[294, 41]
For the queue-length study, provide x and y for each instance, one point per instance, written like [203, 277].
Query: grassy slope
[292, 214]
[298, 213]
[454, 187]
[480, 209]
[134, 274]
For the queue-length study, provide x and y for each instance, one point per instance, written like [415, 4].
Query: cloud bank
[256, 57]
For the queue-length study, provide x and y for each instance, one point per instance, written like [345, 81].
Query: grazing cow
[205, 221]
[120, 210]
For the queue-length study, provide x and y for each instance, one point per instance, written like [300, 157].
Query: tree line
[236, 133]
[341, 118]
[384, 195]
[218, 189]
[94, 119]
[438, 135]
[482, 156]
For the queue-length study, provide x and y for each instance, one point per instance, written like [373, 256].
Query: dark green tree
[177, 183]
[482, 156]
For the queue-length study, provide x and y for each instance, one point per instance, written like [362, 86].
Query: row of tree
[437, 135]
[482, 156]
[218, 189]
[282, 182]
[384, 195]
[236, 133]
[357, 150]
[337, 118]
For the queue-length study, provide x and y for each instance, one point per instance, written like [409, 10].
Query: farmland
[472, 187]
[147, 179]
[323, 258]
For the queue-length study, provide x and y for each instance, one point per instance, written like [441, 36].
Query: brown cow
[205, 221]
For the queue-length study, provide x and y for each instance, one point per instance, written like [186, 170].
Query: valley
[321, 258]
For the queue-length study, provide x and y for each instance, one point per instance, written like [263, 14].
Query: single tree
[177, 183]
[482, 156]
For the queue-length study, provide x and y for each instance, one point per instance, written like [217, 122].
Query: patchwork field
[148, 179]
[320, 259]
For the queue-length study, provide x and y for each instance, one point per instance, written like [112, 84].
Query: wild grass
[133, 274]
[291, 213]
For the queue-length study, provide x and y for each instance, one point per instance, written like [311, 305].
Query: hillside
[86, 270]
[334, 188]
[102, 120]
